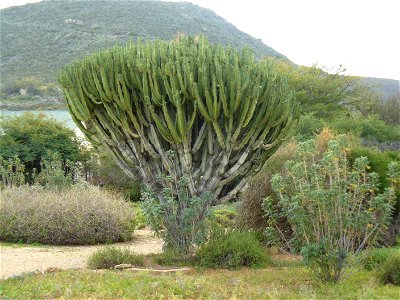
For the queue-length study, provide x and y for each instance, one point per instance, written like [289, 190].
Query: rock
[122, 266]
[161, 271]
[235, 281]
[52, 270]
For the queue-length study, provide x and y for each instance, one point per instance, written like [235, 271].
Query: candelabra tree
[221, 112]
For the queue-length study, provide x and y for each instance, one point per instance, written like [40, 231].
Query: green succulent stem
[216, 108]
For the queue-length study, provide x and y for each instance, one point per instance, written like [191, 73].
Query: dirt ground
[16, 260]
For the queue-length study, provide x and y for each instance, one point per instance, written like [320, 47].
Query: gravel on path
[20, 259]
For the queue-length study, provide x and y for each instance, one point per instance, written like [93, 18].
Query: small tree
[333, 207]
[221, 112]
[30, 137]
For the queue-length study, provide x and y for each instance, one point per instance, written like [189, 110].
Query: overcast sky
[362, 35]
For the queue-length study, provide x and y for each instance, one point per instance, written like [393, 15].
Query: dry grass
[68, 217]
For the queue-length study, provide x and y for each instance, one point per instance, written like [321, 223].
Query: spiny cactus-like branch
[223, 113]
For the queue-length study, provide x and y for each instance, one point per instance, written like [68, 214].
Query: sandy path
[17, 260]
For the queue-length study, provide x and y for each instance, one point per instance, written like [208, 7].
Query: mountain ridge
[38, 39]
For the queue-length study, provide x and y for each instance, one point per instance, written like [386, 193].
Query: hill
[383, 87]
[38, 39]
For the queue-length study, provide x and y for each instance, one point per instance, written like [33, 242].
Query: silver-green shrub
[333, 208]
[174, 214]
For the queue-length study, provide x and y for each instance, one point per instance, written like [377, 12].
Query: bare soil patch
[18, 260]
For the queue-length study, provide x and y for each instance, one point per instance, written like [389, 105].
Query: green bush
[334, 208]
[232, 250]
[108, 257]
[374, 258]
[30, 137]
[223, 216]
[390, 273]
[176, 216]
[11, 172]
[309, 125]
[64, 217]
[379, 162]
[140, 218]
[370, 128]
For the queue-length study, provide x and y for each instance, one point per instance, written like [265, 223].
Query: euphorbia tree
[221, 112]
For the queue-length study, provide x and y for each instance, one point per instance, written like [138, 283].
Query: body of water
[62, 116]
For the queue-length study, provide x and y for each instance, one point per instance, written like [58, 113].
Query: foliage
[388, 111]
[175, 215]
[102, 170]
[140, 217]
[11, 172]
[224, 217]
[231, 250]
[222, 112]
[250, 213]
[369, 128]
[379, 162]
[390, 272]
[109, 257]
[31, 137]
[324, 92]
[373, 259]
[276, 283]
[55, 173]
[79, 215]
[334, 208]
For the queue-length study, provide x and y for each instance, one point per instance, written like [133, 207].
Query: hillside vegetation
[38, 39]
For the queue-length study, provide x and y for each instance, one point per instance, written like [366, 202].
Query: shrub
[335, 209]
[379, 162]
[32, 136]
[108, 257]
[374, 258]
[251, 216]
[174, 214]
[140, 218]
[232, 250]
[370, 128]
[11, 172]
[64, 217]
[224, 216]
[250, 213]
[55, 173]
[391, 271]
[103, 170]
